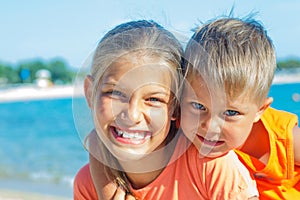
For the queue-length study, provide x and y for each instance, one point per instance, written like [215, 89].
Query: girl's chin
[127, 154]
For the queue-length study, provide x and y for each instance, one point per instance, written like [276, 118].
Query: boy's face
[213, 123]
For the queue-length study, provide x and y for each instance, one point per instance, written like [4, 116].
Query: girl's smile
[133, 137]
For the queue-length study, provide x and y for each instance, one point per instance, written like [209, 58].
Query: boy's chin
[209, 152]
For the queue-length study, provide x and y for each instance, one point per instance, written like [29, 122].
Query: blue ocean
[41, 150]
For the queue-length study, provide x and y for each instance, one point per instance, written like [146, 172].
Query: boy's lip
[209, 142]
[127, 136]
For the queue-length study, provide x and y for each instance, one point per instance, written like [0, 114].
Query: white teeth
[210, 140]
[124, 134]
[128, 135]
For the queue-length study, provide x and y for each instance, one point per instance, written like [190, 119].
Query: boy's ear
[266, 104]
[88, 89]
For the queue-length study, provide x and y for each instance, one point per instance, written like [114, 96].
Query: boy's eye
[198, 106]
[231, 113]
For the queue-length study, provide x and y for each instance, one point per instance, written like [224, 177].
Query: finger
[129, 197]
[120, 194]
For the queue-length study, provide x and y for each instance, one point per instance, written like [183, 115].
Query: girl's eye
[198, 106]
[153, 99]
[231, 113]
[115, 93]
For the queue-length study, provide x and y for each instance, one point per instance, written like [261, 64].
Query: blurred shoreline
[24, 190]
[285, 78]
[7, 194]
[33, 92]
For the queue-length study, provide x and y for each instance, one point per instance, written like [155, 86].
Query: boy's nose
[211, 124]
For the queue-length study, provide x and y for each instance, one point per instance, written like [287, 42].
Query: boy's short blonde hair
[234, 54]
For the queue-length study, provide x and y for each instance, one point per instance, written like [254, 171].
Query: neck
[143, 171]
[261, 149]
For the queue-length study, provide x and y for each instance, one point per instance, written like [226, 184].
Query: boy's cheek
[189, 124]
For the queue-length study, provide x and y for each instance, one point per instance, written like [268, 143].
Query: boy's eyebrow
[241, 107]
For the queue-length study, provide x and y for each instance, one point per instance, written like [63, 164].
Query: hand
[121, 195]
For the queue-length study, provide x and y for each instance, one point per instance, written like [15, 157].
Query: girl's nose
[132, 114]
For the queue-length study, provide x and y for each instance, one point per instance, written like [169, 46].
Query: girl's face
[213, 123]
[132, 107]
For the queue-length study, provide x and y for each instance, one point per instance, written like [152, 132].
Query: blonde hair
[149, 39]
[234, 54]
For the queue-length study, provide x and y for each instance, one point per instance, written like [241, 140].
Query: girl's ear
[266, 104]
[88, 90]
[176, 112]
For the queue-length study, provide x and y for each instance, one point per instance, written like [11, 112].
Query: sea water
[286, 97]
[42, 148]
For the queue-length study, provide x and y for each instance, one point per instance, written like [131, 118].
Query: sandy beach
[33, 92]
[20, 195]
[286, 78]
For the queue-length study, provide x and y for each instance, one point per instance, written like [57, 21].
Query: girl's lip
[210, 142]
[142, 136]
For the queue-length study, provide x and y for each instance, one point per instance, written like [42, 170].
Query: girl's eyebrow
[165, 93]
[109, 83]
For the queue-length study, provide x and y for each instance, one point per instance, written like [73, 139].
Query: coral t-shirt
[188, 177]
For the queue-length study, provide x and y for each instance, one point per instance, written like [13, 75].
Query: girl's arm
[106, 189]
[104, 184]
[296, 141]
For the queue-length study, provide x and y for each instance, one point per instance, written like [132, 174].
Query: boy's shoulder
[278, 120]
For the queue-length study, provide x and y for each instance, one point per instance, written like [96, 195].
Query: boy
[230, 70]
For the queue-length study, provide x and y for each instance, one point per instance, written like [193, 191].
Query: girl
[132, 89]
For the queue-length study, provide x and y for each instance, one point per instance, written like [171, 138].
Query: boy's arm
[296, 141]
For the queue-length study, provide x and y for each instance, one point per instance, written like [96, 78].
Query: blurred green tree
[288, 64]
[25, 72]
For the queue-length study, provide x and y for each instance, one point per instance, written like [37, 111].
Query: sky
[68, 29]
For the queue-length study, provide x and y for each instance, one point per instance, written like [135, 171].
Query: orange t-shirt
[280, 178]
[83, 187]
[188, 177]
